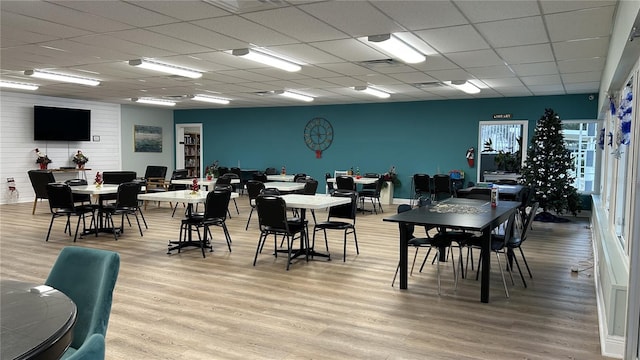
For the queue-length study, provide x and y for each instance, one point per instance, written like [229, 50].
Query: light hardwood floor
[182, 306]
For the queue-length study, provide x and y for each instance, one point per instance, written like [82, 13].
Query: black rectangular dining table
[456, 213]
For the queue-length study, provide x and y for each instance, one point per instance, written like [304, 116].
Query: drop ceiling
[507, 48]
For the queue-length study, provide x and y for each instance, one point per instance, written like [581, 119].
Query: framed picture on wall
[147, 138]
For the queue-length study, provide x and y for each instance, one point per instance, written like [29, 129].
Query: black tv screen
[61, 124]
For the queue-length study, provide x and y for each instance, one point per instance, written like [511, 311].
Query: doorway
[189, 148]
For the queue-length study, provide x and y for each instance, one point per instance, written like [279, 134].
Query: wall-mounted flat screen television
[61, 124]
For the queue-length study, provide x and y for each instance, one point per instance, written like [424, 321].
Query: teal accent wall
[416, 137]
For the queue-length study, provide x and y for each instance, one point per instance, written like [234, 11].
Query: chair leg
[519, 270]
[236, 204]
[525, 262]
[204, 241]
[35, 202]
[227, 236]
[248, 220]
[50, 225]
[143, 219]
[504, 282]
[138, 221]
[77, 227]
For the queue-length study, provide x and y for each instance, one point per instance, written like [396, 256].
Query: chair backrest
[330, 186]
[128, 195]
[299, 176]
[271, 171]
[476, 193]
[237, 171]
[180, 174]
[272, 213]
[310, 187]
[528, 220]
[155, 171]
[270, 191]
[223, 187]
[79, 197]
[60, 196]
[370, 186]
[346, 211]
[223, 180]
[508, 229]
[259, 176]
[223, 170]
[118, 177]
[39, 180]
[441, 183]
[217, 204]
[345, 183]
[254, 188]
[422, 183]
[76, 182]
[409, 227]
[87, 276]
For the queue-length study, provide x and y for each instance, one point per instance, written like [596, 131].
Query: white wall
[17, 145]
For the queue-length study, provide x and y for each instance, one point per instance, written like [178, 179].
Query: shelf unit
[192, 153]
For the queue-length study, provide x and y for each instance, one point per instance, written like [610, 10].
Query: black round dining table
[37, 321]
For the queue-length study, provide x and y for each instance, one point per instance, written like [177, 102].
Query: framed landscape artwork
[147, 138]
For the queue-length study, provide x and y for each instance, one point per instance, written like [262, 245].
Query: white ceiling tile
[543, 68]
[122, 12]
[435, 62]
[491, 10]
[490, 72]
[305, 53]
[593, 47]
[123, 46]
[526, 54]
[414, 77]
[208, 39]
[541, 80]
[573, 78]
[514, 32]
[296, 24]
[160, 41]
[356, 18]
[540, 90]
[580, 25]
[580, 88]
[453, 39]
[178, 9]
[510, 82]
[16, 23]
[419, 15]
[478, 58]
[581, 65]
[449, 75]
[245, 31]
[554, 6]
[350, 50]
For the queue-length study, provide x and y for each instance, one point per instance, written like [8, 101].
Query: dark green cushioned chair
[88, 277]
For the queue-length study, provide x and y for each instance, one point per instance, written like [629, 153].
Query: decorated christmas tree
[548, 168]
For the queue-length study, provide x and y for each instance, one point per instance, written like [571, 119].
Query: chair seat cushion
[334, 225]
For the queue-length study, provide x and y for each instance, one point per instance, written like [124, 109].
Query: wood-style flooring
[183, 306]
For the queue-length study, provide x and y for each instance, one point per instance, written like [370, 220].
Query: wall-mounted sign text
[502, 116]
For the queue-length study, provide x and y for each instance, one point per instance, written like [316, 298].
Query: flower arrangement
[42, 157]
[195, 186]
[98, 179]
[79, 158]
[391, 176]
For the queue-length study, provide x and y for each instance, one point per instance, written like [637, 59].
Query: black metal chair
[372, 192]
[215, 214]
[271, 171]
[225, 179]
[341, 217]
[39, 180]
[272, 215]
[345, 183]
[258, 176]
[126, 204]
[254, 189]
[421, 186]
[518, 238]
[61, 204]
[442, 188]
[178, 174]
[330, 185]
[436, 243]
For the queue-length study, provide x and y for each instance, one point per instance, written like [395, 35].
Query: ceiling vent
[429, 85]
[380, 63]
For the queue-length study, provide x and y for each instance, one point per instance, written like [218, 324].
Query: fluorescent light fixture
[210, 99]
[295, 96]
[15, 85]
[396, 47]
[463, 85]
[62, 77]
[165, 68]
[266, 59]
[373, 91]
[152, 101]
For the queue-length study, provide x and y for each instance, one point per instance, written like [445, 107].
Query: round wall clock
[318, 135]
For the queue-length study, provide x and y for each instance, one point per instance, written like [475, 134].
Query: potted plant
[80, 159]
[42, 159]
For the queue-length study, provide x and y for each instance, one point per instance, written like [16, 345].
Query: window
[501, 136]
[581, 138]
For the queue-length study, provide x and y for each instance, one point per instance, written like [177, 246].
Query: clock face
[318, 134]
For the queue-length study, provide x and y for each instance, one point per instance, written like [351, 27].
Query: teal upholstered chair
[88, 277]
